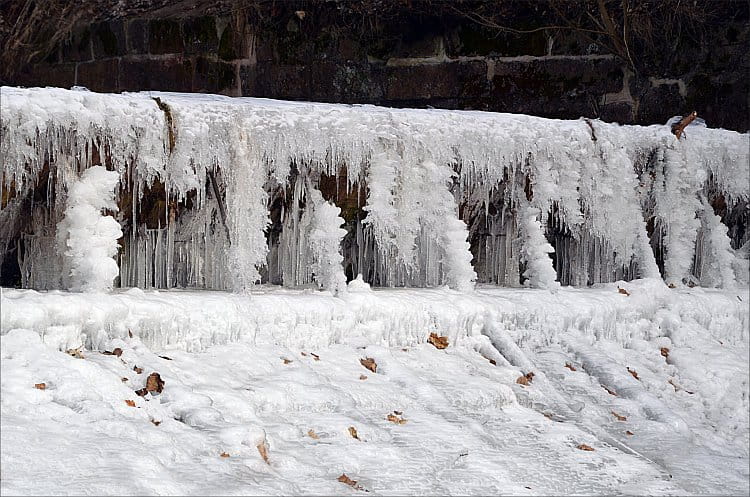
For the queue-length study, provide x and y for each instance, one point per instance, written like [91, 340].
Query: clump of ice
[325, 244]
[535, 252]
[87, 237]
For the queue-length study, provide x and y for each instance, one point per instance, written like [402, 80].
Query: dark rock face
[408, 60]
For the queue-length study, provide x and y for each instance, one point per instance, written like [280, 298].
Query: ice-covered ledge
[192, 320]
[431, 182]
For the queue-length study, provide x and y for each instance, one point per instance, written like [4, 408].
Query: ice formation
[218, 192]
[86, 237]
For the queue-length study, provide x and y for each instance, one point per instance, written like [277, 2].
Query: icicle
[247, 216]
[717, 257]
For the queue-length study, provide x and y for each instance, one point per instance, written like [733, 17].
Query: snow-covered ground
[281, 369]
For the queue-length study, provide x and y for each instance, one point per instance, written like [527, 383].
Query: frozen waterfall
[223, 193]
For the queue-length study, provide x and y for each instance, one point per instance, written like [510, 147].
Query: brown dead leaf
[223, 454]
[130, 334]
[304, 353]
[154, 383]
[622, 291]
[633, 373]
[353, 432]
[437, 341]
[165, 357]
[137, 369]
[117, 352]
[525, 379]
[345, 479]
[570, 366]
[131, 403]
[611, 392]
[619, 417]
[123, 379]
[664, 352]
[629, 433]
[397, 413]
[286, 361]
[40, 386]
[311, 433]
[142, 392]
[493, 362]
[547, 415]
[362, 377]
[75, 353]
[263, 451]
[671, 285]
[315, 356]
[155, 422]
[370, 364]
[407, 350]
[585, 447]
[395, 419]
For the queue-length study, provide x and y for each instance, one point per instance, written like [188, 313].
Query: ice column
[88, 238]
[324, 240]
[535, 251]
[718, 256]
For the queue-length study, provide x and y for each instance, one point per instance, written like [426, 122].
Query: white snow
[270, 367]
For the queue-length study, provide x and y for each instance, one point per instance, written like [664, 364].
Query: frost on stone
[87, 237]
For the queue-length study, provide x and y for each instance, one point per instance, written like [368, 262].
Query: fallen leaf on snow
[117, 352]
[223, 454]
[130, 334]
[570, 366]
[263, 451]
[131, 403]
[142, 392]
[165, 357]
[585, 447]
[633, 373]
[630, 433]
[395, 419]
[525, 379]
[622, 291]
[315, 356]
[437, 341]
[370, 364]
[619, 418]
[677, 387]
[611, 392]
[345, 479]
[353, 432]
[397, 413]
[313, 435]
[40, 386]
[137, 369]
[362, 377]
[286, 361]
[303, 353]
[154, 383]
[123, 379]
[155, 422]
[75, 353]
[664, 352]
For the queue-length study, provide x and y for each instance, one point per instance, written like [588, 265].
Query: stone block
[213, 76]
[199, 35]
[290, 82]
[165, 36]
[137, 36]
[99, 75]
[428, 81]
[108, 39]
[168, 74]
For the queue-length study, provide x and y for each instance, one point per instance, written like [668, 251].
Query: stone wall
[417, 62]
